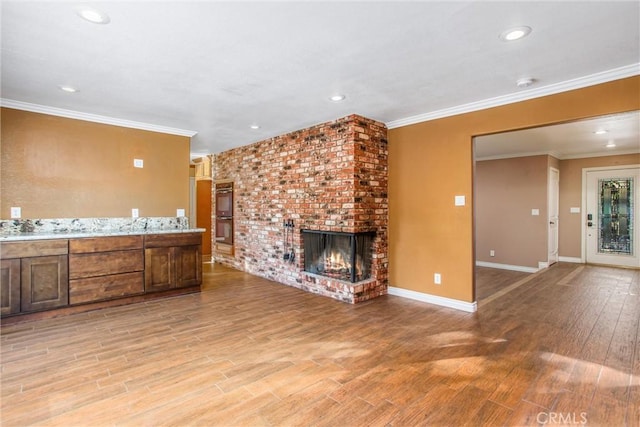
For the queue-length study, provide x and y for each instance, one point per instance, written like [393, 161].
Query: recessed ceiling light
[67, 88]
[524, 82]
[601, 131]
[93, 15]
[610, 144]
[254, 127]
[515, 33]
[337, 98]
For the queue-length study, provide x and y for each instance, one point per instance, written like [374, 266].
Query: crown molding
[559, 156]
[35, 108]
[578, 83]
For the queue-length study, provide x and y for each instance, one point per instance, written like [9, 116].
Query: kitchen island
[48, 271]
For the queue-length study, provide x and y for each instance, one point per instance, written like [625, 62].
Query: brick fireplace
[330, 177]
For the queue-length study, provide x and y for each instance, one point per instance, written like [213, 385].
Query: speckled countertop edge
[103, 233]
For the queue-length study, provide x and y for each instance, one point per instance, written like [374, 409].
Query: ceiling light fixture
[68, 89]
[515, 33]
[610, 144]
[337, 98]
[254, 127]
[93, 15]
[601, 131]
[524, 82]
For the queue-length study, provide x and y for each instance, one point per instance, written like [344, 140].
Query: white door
[611, 217]
[554, 197]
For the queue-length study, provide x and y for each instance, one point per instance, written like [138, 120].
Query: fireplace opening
[342, 256]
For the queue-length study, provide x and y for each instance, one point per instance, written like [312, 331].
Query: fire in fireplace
[342, 256]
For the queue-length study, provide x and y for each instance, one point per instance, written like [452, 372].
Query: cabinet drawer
[104, 244]
[104, 263]
[105, 287]
[34, 248]
[172, 239]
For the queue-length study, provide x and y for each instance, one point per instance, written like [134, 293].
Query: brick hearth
[331, 177]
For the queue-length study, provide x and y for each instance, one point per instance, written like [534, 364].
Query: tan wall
[570, 229]
[431, 162]
[55, 167]
[506, 192]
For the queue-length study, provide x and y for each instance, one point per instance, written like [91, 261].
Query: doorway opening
[518, 226]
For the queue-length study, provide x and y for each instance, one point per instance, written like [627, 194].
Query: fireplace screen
[342, 256]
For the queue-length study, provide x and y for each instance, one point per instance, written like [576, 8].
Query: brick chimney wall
[330, 177]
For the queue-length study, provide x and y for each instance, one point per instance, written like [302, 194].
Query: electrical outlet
[492, 253]
[180, 213]
[437, 279]
[134, 213]
[138, 163]
[16, 213]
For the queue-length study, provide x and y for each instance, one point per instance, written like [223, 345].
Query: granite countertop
[92, 233]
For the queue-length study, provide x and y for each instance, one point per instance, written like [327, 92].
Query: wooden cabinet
[172, 261]
[78, 274]
[105, 267]
[45, 283]
[34, 276]
[10, 286]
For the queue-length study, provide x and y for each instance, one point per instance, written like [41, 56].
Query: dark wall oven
[224, 213]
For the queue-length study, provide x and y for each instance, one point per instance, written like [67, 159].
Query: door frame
[583, 215]
[556, 195]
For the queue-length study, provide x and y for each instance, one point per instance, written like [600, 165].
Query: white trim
[52, 111]
[469, 307]
[550, 193]
[508, 267]
[578, 83]
[575, 260]
[558, 155]
[516, 155]
[600, 154]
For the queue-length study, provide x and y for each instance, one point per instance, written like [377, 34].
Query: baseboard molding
[509, 267]
[570, 259]
[469, 307]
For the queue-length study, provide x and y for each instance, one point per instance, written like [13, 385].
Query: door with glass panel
[612, 217]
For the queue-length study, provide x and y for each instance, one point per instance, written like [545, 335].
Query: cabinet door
[45, 282]
[188, 265]
[10, 286]
[159, 269]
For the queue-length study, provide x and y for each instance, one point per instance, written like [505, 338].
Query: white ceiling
[216, 67]
[565, 141]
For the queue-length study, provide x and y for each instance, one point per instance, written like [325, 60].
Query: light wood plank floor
[561, 347]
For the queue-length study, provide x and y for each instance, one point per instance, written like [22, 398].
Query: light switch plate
[16, 213]
[138, 163]
[460, 201]
[575, 210]
[535, 212]
[180, 213]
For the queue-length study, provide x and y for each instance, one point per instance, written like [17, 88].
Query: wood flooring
[559, 347]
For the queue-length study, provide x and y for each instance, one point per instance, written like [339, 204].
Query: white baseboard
[509, 267]
[469, 307]
[570, 259]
